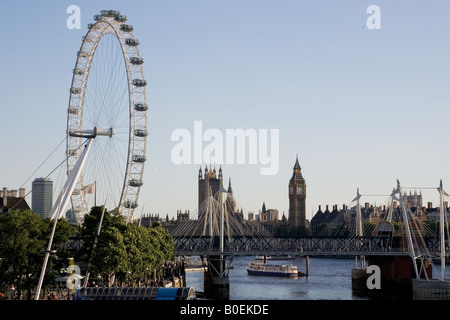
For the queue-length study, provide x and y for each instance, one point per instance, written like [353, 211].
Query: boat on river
[278, 270]
[289, 257]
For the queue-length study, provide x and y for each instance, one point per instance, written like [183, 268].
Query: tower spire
[297, 164]
[297, 169]
[230, 190]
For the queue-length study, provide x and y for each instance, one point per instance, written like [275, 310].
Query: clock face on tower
[300, 190]
[291, 190]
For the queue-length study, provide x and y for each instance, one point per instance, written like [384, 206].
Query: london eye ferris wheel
[108, 98]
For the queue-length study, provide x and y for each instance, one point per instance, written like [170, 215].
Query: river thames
[329, 279]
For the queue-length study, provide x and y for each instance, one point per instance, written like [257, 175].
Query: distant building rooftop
[10, 201]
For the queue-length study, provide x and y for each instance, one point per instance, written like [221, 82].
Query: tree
[64, 230]
[90, 227]
[109, 256]
[166, 244]
[138, 252]
[21, 249]
[126, 252]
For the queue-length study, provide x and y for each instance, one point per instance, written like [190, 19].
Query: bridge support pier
[216, 281]
[397, 275]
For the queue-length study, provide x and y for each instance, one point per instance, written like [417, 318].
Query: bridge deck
[307, 246]
[292, 253]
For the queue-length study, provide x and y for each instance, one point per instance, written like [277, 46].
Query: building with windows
[266, 215]
[42, 197]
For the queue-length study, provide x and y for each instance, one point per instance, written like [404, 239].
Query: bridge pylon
[216, 281]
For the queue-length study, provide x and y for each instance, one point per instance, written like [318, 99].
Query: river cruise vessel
[278, 270]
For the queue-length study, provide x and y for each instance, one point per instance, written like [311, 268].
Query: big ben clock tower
[297, 198]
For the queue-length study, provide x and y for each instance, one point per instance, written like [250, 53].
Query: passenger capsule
[109, 13]
[136, 60]
[130, 204]
[139, 82]
[135, 183]
[120, 18]
[140, 132]
[140, 107]
[138, 158]
[126, 27]
[131, 42]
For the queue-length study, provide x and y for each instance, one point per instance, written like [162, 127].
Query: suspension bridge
[213, 234]
[218, 234]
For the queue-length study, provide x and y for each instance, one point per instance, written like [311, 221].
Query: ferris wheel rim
[137, 107]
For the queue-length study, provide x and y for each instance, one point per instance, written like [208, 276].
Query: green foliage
[124, 252]
[109, 255]
[64, 230]
[24, 237]
[21, 248]
[397, 225]
[90, 226]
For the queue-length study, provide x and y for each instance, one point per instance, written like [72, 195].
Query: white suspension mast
[442, 193]
[391, 208]
[60, 206]
[358, 226]
[359, 231]
[61, 203]
[407, 226]
[210, 198]
[222, 197]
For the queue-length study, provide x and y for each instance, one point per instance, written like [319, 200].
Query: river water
[329, 279]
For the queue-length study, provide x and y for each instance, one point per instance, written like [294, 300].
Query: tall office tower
[42, 197]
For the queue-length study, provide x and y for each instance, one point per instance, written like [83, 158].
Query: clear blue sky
[360, 107]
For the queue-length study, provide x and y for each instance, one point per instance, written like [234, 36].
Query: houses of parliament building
[210, 180]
